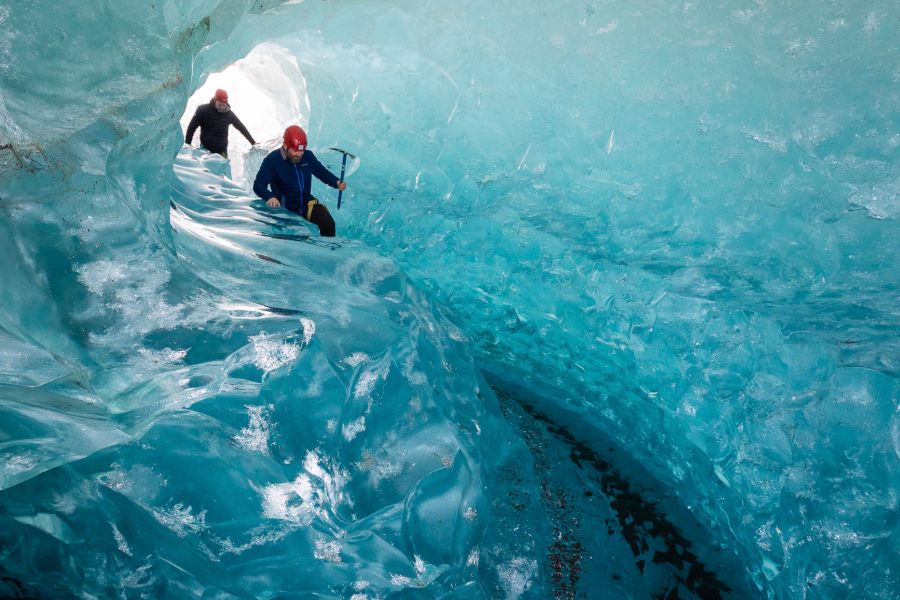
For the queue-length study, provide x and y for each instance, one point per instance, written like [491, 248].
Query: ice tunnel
[612, 311]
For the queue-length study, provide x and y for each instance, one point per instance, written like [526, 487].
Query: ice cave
[612, 310]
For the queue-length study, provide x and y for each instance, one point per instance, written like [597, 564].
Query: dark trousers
[321, 217]
[217, 150]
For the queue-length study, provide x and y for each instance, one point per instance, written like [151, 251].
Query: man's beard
[295, 159]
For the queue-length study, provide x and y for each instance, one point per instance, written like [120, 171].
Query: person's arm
[192, 126]
[240, 127]
[326, 176]
[265, 179]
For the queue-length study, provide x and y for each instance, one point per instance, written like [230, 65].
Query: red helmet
[221, 96]
[295, 138]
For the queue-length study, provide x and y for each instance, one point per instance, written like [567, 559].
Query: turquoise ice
[669, 230]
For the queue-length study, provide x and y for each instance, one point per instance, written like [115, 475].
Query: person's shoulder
[273, 155]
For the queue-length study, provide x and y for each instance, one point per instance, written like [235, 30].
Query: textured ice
[674, 223]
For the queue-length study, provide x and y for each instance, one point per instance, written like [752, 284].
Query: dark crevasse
[613, 531]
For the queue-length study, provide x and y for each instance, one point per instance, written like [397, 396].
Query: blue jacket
[290, 182]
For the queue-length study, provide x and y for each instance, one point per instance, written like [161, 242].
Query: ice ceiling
[677, 221]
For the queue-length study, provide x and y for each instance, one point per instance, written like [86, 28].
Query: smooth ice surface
[676, 220]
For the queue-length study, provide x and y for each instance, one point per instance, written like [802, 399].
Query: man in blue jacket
[285, 179]
[213, 119]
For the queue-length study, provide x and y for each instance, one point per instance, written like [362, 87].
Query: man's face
[294, 155]
[221, 106]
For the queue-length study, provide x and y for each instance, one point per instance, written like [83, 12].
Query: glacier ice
[665, 233]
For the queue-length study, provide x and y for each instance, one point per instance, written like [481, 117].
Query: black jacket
[291, 182]
[214, 127]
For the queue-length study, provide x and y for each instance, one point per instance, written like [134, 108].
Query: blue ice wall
[676, 220]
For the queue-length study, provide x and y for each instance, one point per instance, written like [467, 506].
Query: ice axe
[343, 164]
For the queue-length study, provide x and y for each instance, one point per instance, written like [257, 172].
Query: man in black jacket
[213, 120]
